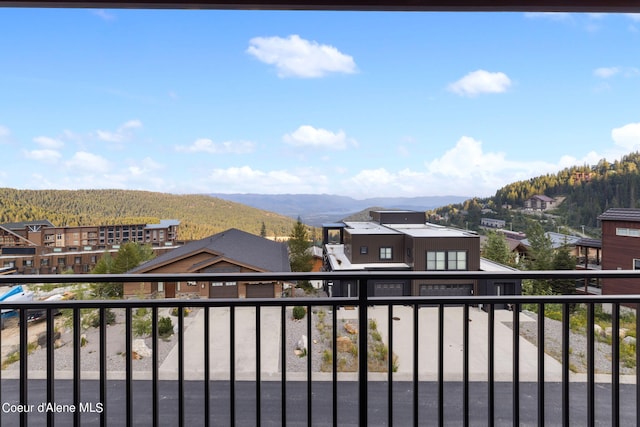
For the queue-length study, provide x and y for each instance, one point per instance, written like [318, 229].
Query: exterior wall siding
[619, 254]
[374, 243]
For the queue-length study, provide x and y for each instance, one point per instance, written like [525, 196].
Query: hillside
[200, 215]
[588, 191]
[316, 209]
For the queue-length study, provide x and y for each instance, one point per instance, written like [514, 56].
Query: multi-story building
[402, 240]
[39, 247]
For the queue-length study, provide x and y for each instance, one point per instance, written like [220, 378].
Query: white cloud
[627, 136]
[205, 145]
[46, 142]
[308, 136]
[633, 16]
[4, 133]
[88, 162]
[107, 16]
[247, 180]
[479, 82]
[606, 72]
[296, 57]
[122, 134]
[552, 16]
[45, 155]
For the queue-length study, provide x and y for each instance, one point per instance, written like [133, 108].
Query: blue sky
[353, 103]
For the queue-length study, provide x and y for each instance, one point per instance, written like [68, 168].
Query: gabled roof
[621, 214]
[234, 245]
[542, 197]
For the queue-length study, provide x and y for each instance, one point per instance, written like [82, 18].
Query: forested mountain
[588, 190]
[200, 215]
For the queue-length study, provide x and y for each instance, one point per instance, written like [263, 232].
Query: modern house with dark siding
[620, 248]
[402, 240]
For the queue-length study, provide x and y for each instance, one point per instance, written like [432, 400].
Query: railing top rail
[342, 5]
[331, 302]
[291, 277]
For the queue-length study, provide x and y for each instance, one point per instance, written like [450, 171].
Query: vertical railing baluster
[440, 364]
[232, 365]
[103, 366]
[491, 393]
[516, 364]
[76, 365]
[565, 365]
[416, 358]
[155, 419]
[207, 375]
[128, 368]
[541, 407]
[465, 365]
[181, 365]
[363, 386]
[390, 366]
[334, 362]
[283, 351]
[309, 369]
[615, 365]
[591, 395]
[258, 369]
[637, 366]
[50, 364]
[24, 353]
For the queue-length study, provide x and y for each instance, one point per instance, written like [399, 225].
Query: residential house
[231, 251]
[403, 241]
[539, 203]
[620, 248]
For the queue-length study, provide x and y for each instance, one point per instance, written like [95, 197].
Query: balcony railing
[425, 360]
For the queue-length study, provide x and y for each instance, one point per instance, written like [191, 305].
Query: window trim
[386, 253]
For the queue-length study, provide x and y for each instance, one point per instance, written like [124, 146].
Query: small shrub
[299, 312]
[175, 311]
[165, 326]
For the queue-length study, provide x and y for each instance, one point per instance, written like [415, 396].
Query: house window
[61, 261]
[629, 232]
[446, 260]
[385, 253]
[636, 264]
[44, 262]
[77, 260]
[435, 260]
[364, 250]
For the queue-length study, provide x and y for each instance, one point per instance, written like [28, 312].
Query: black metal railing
[250, 396]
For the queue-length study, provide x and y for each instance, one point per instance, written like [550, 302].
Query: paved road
[321, 406]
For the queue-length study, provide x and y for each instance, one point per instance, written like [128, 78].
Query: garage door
[260, 291]
[223, 290]
[388, 290]
[446, 290]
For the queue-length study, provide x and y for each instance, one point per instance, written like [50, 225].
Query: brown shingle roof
[621, 214]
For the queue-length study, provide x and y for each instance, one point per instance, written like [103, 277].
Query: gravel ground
[577, 345]
[89, 353]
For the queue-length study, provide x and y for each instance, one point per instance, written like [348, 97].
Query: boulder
[140, 348]
[629, 340]
[350, 328]
[597, 330]
[302, 343]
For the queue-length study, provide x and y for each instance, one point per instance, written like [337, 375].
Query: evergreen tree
[129, 256]
[299, 244]
[263, 230]
[562, 260]
[540, 258]
[497, 249]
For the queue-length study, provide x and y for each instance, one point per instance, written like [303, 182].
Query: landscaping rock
[629, 340]
[350, 328]
[344, 344]
[140, 348]
[597, 330]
